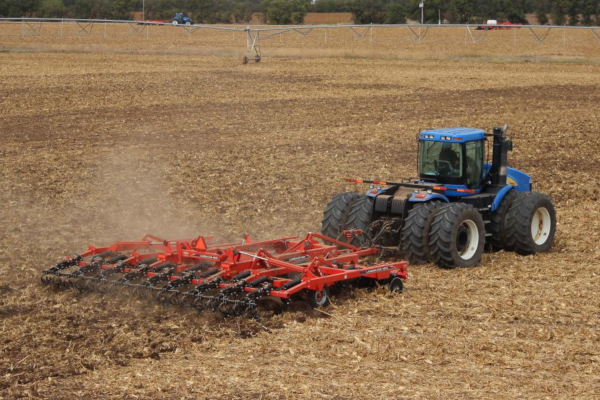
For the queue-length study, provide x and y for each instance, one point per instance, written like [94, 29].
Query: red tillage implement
[226, 277]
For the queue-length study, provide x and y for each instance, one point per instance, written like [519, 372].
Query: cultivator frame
[229, 278]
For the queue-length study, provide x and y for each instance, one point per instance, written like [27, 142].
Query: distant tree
[431, 11]
[573, 10]
[79, 8]
[367, 11]
[242, 11]
[278, 12]
[15, 9]
[559, 9]
[395, 13]
[328, 6]
[588, 9]
[541, 8]
[122, 9]
[300, 10]
[542, 17]
[52, 9]
[463, 11]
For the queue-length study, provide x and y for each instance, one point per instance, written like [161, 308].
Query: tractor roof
[452, 135]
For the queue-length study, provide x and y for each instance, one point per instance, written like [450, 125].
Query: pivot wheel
[457, 236]
[415, 233]
[531, 223]
[319, 298]
[336, 213]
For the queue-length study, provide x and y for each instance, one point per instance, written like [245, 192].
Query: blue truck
[459, 203]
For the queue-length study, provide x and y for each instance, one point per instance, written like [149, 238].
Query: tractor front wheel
[457, 236]
[531, 223]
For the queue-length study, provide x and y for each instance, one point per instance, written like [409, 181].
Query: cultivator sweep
[229, 278]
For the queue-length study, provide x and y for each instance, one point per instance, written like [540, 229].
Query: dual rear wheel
[451, 235]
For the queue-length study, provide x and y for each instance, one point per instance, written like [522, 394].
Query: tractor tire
[336, 213]
[415, 233]
[360, 217]
[531, 223]
[498, 240]
[457, 236]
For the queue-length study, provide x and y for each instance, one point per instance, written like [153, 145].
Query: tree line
[559, 12]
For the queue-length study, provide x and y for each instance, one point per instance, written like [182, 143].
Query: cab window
[474, 152]
[441, 161]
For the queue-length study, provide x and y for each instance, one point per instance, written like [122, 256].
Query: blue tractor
[459, 202]
[181, 19]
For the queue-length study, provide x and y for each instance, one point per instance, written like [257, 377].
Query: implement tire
[360, 216]
[457, 236]
[336, 213]
[531, 223]
[415, 233]
[499, 240]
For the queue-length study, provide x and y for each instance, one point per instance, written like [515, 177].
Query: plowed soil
[97, 147]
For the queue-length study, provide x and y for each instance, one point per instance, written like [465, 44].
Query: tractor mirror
[504, 129]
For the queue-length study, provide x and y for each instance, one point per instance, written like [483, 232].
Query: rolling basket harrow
[229, 278]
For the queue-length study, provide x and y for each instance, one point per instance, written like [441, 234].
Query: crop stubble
[100, 147]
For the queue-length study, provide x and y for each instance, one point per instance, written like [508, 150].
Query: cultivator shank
[230, 278]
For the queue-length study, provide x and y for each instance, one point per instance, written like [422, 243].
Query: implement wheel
[415, 233]
[396, 285]
[360, 217]
[46, 279]
[336, 213]
[457, 236]
[531, 223]
[499, 239]
[319, 298]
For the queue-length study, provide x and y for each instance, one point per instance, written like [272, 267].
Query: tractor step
[228, 278]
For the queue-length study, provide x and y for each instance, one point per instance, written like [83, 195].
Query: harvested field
[108, 145]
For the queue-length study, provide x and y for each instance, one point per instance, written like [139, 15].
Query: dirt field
[97, 147]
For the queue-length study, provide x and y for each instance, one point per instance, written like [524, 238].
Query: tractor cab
[452, 156]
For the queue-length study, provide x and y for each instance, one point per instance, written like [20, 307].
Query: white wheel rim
[540, 225]
[472, 239]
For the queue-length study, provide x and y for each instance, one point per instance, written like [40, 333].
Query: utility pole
[422, 6]
[143, 10]
[439, 16]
